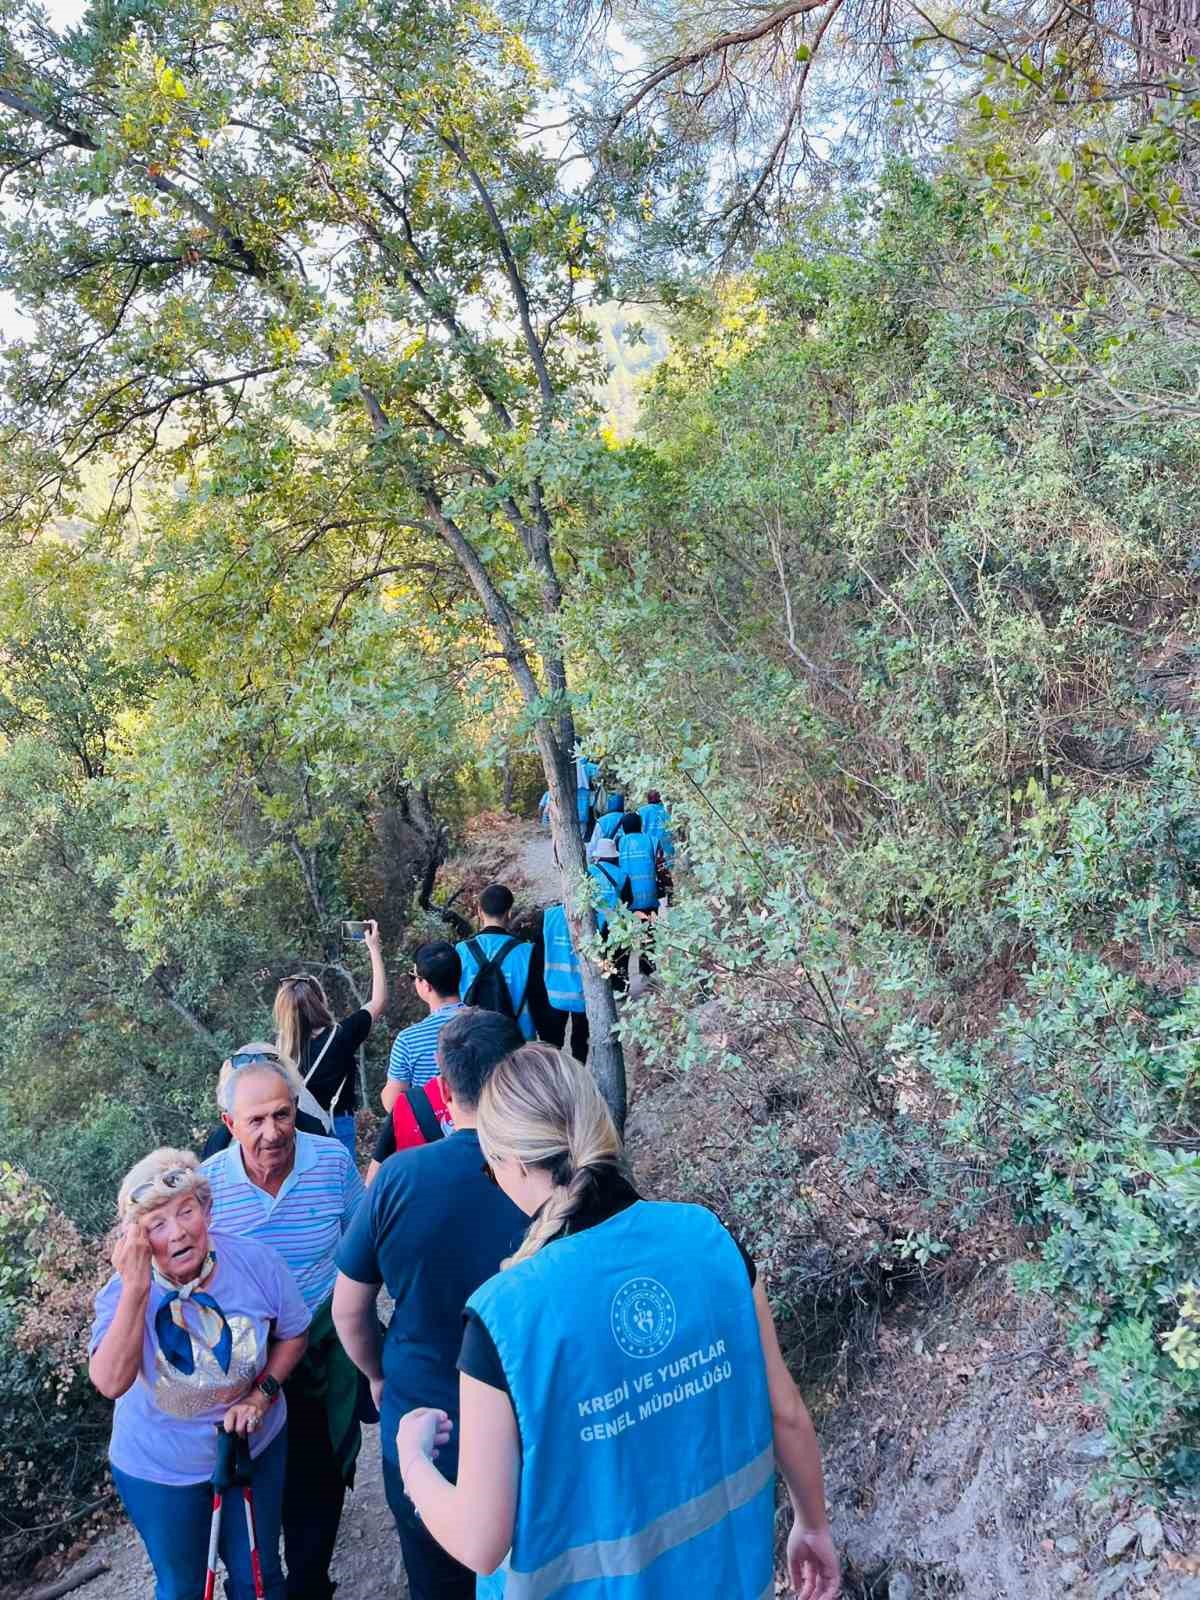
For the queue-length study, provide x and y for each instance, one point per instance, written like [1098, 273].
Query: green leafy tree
[237, 231]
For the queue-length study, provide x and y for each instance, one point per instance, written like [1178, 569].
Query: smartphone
[354, 930]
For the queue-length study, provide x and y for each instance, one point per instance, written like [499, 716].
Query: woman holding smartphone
[325, 1050]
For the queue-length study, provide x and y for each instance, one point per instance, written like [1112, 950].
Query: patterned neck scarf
[176, 1340]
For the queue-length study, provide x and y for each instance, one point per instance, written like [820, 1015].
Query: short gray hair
[273, 1061]
[143, 1187]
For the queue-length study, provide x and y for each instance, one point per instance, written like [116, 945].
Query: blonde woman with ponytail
[623, 1401]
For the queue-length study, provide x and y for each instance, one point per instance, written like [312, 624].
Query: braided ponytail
[542, 1108]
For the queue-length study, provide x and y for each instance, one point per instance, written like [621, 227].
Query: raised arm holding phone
[325, 1050]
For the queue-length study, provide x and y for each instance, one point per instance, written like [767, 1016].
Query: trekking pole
[234, 1470]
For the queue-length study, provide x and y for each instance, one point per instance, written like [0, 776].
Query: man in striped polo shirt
[297, 1192]
[436, 974]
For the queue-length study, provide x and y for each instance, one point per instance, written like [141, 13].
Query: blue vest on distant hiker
[515, 969]
[637, 857]
[607, 825]
[586, 773]
[611, 879]
[636, 1372]
[657, 827]
[564, 982]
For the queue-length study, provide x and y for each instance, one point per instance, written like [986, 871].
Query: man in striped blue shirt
[298, 1193]
[436, 975]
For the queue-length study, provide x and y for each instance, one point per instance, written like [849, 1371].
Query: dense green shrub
[909, 653]
[53, 1425]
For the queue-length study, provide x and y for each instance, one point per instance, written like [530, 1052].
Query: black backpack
[489, 989]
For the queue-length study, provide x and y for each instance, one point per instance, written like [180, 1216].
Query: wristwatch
[269, 1386]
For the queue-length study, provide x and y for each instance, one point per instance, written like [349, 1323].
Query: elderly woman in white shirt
[196, 1331]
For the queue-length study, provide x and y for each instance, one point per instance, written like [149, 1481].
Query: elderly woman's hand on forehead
[132, 1256]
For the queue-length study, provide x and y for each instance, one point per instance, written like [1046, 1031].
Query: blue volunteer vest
[637, 1377]
[657, 826]
[637, 857]
[608, 825]
[564, 985]
[611, 880]
[583, 796]
[514, 969]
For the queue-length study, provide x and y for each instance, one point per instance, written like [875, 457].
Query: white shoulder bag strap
[321, 1057]
[309, 1101]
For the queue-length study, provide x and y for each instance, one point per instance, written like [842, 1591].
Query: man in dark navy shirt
[432, 1228]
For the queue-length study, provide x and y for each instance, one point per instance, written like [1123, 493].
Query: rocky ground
[366, 1565]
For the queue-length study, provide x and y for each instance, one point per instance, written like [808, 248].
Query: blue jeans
[174, 1520]
[343, 1129]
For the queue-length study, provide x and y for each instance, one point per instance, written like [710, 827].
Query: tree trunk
[1165, 34]
[507, 800]
[605, 1056]
[412, 846]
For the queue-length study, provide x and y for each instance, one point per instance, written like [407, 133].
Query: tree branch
[771, 23]
[516, 282]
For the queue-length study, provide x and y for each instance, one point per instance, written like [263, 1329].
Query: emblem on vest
[643, 1318]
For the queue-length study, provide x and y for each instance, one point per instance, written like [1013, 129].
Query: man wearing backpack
[495, 962]
[420, 1116]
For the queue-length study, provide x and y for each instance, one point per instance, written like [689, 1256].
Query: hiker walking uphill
[564, 986]
[656, 825]
[615, 889]
[436, 975]
[608, 826]
[495, 962]
[587, 774]
[612, 880]
[297, 1194]
[196, 1331]
[633, 1343]
[432, 1229]
[323, 1049]
[637, 856]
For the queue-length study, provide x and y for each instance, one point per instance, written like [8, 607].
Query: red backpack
[420, 1116]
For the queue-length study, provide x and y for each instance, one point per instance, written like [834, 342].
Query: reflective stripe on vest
[564, 983]
[631, 1554]
[646, 1395]
[637, 857]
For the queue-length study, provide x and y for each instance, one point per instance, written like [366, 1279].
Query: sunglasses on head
[247, 1058]
[173, 1178]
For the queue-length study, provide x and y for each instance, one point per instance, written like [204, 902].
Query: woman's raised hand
[371, 936]
[131, 1257]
